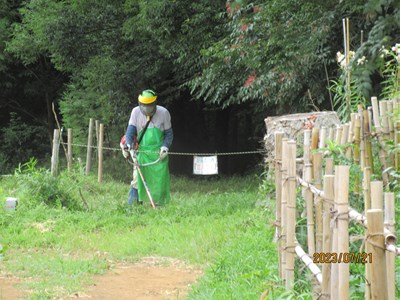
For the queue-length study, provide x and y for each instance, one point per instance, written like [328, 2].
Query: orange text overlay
[342, 257]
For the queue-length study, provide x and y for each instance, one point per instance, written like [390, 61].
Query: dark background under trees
[220, 67]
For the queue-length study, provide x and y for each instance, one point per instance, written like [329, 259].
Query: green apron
[157, 175]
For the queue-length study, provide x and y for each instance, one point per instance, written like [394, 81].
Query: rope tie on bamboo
[368, 239]
[336, 216]
[289, 178]
[289, 247]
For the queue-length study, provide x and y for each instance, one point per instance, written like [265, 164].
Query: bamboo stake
[338, 137]
[382, 138]
[367, 141]
[307, 194]
[322, 138]
[55, 152]
[367, 206]
[89, 146]
[278, 193]
[69, 150]
[390, 119]
[377, 195]
[284, 203]
[329, 181]
[317, 171]
[345, 134]
[314, 138]
[290, 184]
[335, 267]
[375, 114]
[356, 152]
[397, 142]
[390, 257]
[332, 134]
[329, 166]
[362, 140]
[100, 153]
[378, 266]
[341, 199]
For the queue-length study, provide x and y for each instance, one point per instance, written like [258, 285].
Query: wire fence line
[175, 153]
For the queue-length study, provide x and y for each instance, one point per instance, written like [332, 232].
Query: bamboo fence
[326, 190]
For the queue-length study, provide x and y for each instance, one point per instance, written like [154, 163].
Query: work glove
[163, 152]
[125, 150]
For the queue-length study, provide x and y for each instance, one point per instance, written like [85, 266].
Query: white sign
[205, 165]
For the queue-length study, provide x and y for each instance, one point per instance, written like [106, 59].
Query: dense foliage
[219, 66]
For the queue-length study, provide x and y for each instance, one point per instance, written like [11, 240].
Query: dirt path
[153, 278]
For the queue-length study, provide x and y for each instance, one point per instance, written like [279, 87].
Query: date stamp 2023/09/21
[342, 257]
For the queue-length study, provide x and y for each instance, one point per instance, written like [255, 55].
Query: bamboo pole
[100, 153]
[335, 267]
[382, 138]
[390, 119]
[69, 150]
[345, 134]
[356, 152]
[55, 152]
[362, 140]
[314, 139]
[329, 181]
[338, 137]
[309, 263]
[367, 206]
[317, 179]
[278, 193]
[329, 166]
[89, 147]
[367, 141]
[284, 198]
[332, 134]
[377, 251]
[322, 138]
[375, 114]
[397, 142]
[290, 183]
[307, 194]
[376, 195]
[390, 257]
[341, 200]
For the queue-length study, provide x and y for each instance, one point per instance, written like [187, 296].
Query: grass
[216, 225]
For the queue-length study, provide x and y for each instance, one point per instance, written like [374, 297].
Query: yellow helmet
[147, 97]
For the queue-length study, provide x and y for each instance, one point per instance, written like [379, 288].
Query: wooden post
[314, 138]
[54, 155]
[307, 194]
[284, 200]
[390, 222]
[278, 194]
[377, 254]
[317, 171]
[375, 113]
[329, 181]
[89, 146]
[291, 214]
[342, 197]
[69, 150]
[345, 134]
[100, 152]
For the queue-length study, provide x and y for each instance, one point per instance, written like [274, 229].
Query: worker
[149, 134]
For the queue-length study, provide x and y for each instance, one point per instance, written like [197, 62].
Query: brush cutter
[137, 165]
